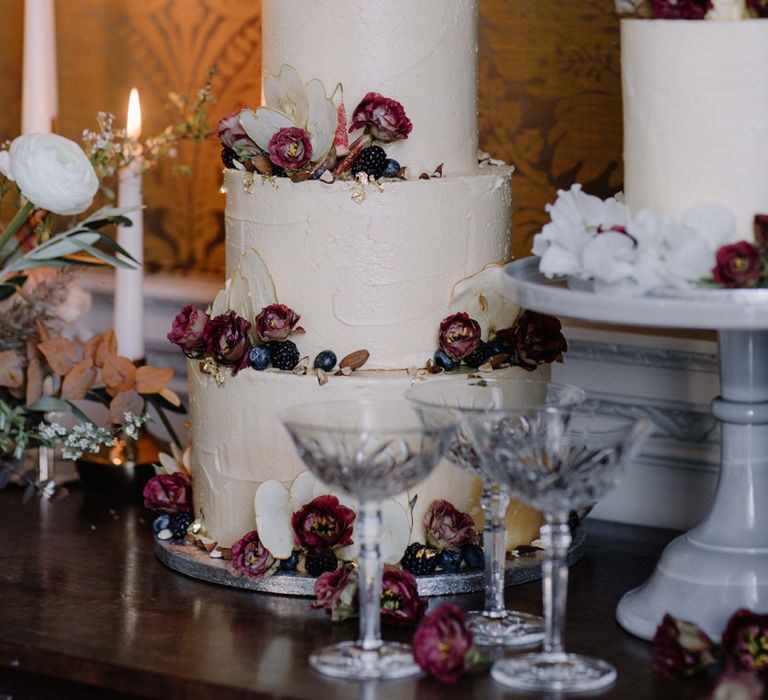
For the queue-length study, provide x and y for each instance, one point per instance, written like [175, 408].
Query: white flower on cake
[727, 10]
[176, 462]
[482, 297]
[293, 105]
[52, 172]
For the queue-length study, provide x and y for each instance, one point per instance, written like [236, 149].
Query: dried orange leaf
[125, 402]
[118, 374]
[34, 380]
[171, 397]
[107, 347]
[89, 351]
[61, 354]
[78, 381]
[152, 380]
[11, 372]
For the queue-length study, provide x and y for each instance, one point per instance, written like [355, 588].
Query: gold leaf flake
[209, 366]
[248, 181]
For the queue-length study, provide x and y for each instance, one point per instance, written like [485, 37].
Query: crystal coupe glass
[494, 625]
[369, 450]
[557, 460]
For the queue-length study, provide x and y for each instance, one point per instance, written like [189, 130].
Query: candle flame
[134, 115]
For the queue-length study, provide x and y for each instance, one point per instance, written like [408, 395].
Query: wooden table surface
[86, 611]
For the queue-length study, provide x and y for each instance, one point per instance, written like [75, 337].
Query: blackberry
[371, 161]
[478, 356]
[288, 566]
[179, 524]
[473, 556]
[442, 359]
[391, 168]
[258, 357]
[450, 561]
[325, 360]
[283, 354]
[320, 563]
[420, 560]
[228, 157]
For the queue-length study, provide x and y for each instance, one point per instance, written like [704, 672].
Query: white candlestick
[129, 292]
[39, 100]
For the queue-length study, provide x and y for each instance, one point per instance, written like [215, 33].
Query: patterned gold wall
[549, 98]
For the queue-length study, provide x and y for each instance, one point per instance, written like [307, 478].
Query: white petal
[285, 92]
[5, 165]
[262, 286]
[303, 489]
[168, 463]
[321, 121]
[608, 257]
[220, 303]
[395, 531]
[558, 261]
[482, 297]
[273, 518]
[263, 124]
[713, 221]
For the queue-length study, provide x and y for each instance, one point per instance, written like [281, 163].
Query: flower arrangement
[693, 9]
[682, 649]
[631, 253]
[302, 134]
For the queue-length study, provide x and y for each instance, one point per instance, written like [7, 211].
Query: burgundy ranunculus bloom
[188, 331]
[738, 265]
[459, 335]
[760, 7]
[737, 685]
[250, 558]
[382, 118]
[168, 493]
[323, 524]
[680, 9]
[277, 322]
[400, 601]
[290, 148]
[233, 136]
[336, 593]
[761, 223]
[447, 527]
[537, 339]
[680, 648]
[227, 340]
[442, 645]
[745, 642]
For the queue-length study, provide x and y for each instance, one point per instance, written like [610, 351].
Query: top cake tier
[422, 53]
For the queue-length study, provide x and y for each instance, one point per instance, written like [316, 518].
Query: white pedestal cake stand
[722, 564]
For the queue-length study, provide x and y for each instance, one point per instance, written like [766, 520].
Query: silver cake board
[194, 562]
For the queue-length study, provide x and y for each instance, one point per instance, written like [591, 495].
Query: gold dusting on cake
[209, 366]
[223, 189]
[248, 180]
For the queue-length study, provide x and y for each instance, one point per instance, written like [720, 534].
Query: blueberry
[474, 558]
[498, 347]
[258, 357]
[450, 561]
[391, 168]
[288, 566]
[161, 522]
[325, 360]
[443, 360]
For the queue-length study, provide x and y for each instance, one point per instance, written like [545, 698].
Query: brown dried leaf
[119, 374]
[89, 351]
[106, 347]
[152, 380]
[11, 372]
[78, 381]
[35, 379]
[125, 402]
[355, 360]
[171, 397]
[61, 354]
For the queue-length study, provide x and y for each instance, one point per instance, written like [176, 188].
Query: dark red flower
[277, 322]
[745, 642]
[759, 7]
[290, 148]
[232, 135]
[400, 601]
[168, 493]
[761, 226]
[680, 648]
[382, 118]
[680, 9]
[188, 331]
[537, 339]
[738, 265]
[227, 340]
[459, 335]
[442, 645]
[737, 685]
[447, 527]
[323, 524]
[336, 593]
[250, 558]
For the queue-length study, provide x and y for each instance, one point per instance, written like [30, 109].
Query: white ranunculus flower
[727, 10]
[52, 172]
[609, 257]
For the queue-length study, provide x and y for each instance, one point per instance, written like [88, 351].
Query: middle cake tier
[370, 266]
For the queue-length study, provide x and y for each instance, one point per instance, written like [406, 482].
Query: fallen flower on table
[680, 648]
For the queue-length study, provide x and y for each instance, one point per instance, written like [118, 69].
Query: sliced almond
[355, 360]
[262, 164]
[322, 377]
[302, 366]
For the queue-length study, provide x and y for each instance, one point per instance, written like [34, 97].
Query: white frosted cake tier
[377, 274]
[238, 442]
[695, 126]
[422, 53]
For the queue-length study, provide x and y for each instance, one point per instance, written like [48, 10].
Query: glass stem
[495, 502]
[369, 561]
[556, 536]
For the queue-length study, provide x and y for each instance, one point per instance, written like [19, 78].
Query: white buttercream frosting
[695, 126]
[422, 53]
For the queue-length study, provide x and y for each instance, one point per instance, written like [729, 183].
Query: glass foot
[515, 629]
[348, 660]
[557, 672]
